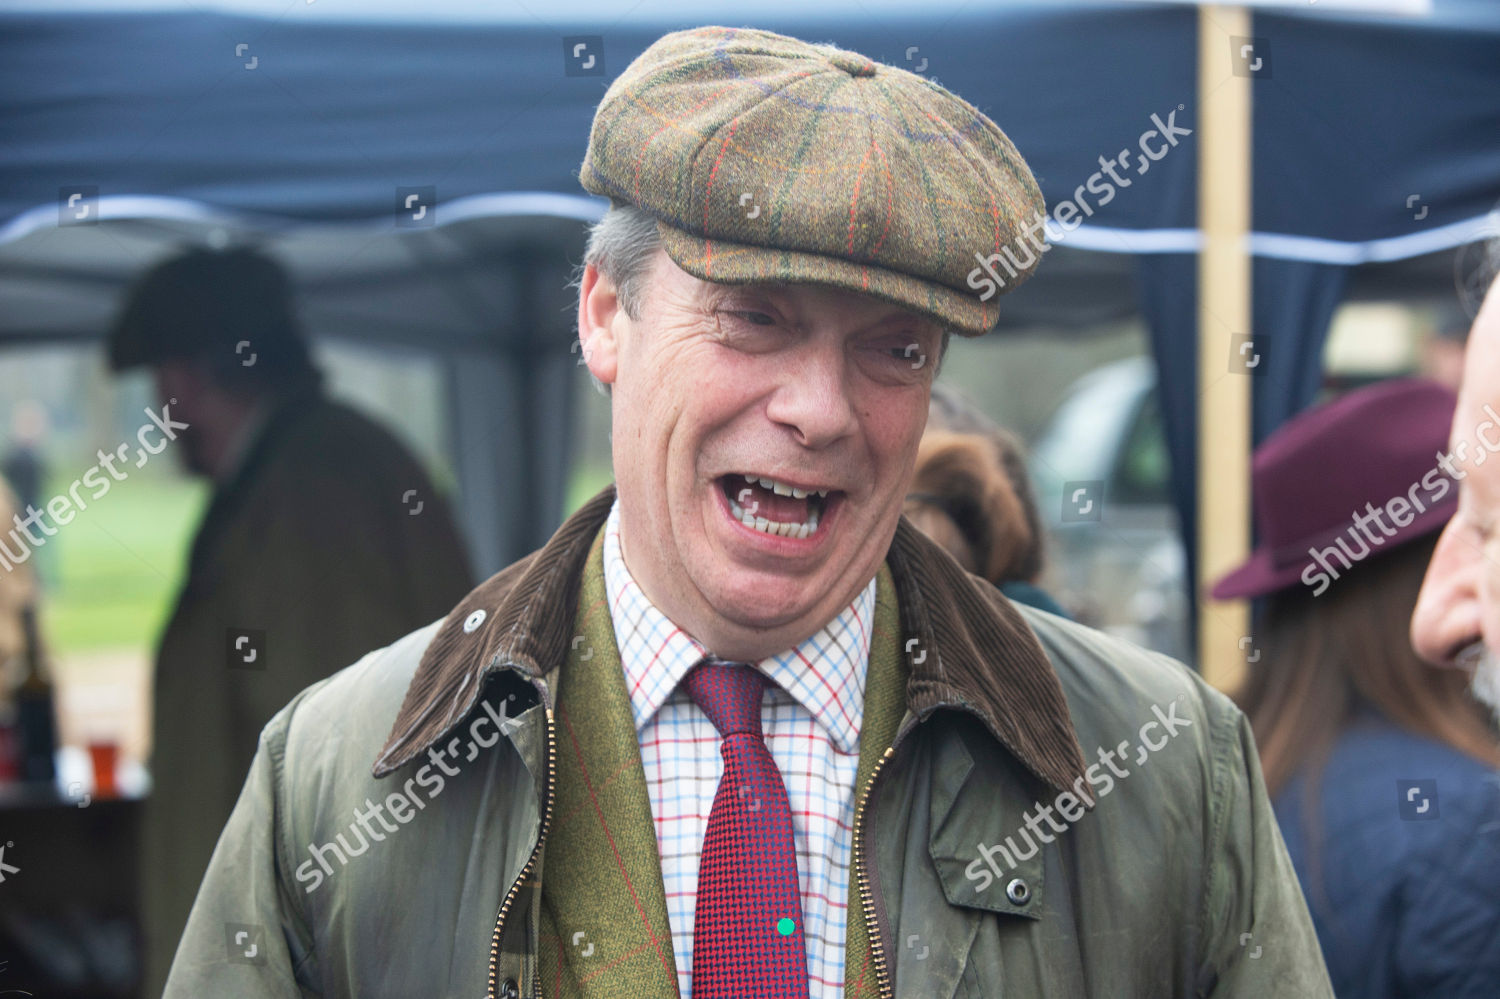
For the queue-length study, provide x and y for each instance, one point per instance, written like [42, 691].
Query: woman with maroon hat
[1381, 768]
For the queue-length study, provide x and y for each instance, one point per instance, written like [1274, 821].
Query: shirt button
[473, 621]
[1018, 892]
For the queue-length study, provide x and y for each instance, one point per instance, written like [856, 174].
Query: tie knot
[730, 694]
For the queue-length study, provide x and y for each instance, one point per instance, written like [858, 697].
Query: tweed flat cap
[767, 158]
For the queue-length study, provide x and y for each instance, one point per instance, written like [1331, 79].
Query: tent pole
[1224, 163]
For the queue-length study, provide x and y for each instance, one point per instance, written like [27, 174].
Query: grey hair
[621, 245]
[1476, 266]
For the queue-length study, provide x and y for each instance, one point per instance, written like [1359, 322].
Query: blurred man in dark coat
[324, 539]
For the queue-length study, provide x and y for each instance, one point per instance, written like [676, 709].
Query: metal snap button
[1018, 892]
[473, 621]
[510, 990]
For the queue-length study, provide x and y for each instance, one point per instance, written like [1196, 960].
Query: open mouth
[775, 507]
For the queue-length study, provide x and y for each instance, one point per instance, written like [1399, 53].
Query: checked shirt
[811, 715]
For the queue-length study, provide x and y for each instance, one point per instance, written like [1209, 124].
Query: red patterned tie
[747, 924]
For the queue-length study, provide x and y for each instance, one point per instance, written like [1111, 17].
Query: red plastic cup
[105, 757]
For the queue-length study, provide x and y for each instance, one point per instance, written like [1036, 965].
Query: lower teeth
[765, 526]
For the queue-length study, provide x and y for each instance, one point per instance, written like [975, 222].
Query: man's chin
[752, 612]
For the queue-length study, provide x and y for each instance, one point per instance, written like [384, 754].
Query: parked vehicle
[1119, 563]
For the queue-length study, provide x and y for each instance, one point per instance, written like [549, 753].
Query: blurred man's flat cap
[202, 305]
[767, 158]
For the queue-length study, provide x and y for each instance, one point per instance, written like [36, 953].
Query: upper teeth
[782, 489]
[798, 530]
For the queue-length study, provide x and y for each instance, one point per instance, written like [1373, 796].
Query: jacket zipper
[862, 878]
[515, 888]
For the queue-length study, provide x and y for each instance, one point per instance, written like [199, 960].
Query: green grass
[584, 483]
[111, 574]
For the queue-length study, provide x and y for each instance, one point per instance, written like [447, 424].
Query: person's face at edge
[815, 388]
[1457, 617]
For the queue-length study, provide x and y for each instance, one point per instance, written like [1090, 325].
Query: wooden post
[1224, 164]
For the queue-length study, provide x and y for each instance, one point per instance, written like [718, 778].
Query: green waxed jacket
[1059, 814]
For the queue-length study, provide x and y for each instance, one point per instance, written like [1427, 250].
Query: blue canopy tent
[318, 130]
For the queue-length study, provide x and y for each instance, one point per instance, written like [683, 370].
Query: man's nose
[1448, 615]
[813, 399]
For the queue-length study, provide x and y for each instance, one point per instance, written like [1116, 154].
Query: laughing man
[739, 729]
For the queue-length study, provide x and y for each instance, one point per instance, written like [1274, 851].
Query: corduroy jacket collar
[969, 648]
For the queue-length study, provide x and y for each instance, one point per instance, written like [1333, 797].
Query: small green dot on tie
[786, 927]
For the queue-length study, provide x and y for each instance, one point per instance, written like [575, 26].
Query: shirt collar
[825, 672]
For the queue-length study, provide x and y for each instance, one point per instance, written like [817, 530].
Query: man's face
[1457, 618]
[180, 386]
[718, 389]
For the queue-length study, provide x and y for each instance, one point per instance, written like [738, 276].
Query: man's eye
[754, 318]
[906, 350]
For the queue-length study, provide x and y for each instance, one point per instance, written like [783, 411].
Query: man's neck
[726, 639]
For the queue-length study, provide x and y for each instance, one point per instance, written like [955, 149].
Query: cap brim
[743, 263]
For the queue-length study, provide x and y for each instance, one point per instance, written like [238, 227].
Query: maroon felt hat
[1373, 448]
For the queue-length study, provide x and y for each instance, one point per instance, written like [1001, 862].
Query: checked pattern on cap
[767, 158]
[747, 876]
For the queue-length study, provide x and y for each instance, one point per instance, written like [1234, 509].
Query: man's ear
[599, 313]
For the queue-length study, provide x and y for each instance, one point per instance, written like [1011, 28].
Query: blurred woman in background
[1381, 768]
[972, 495]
